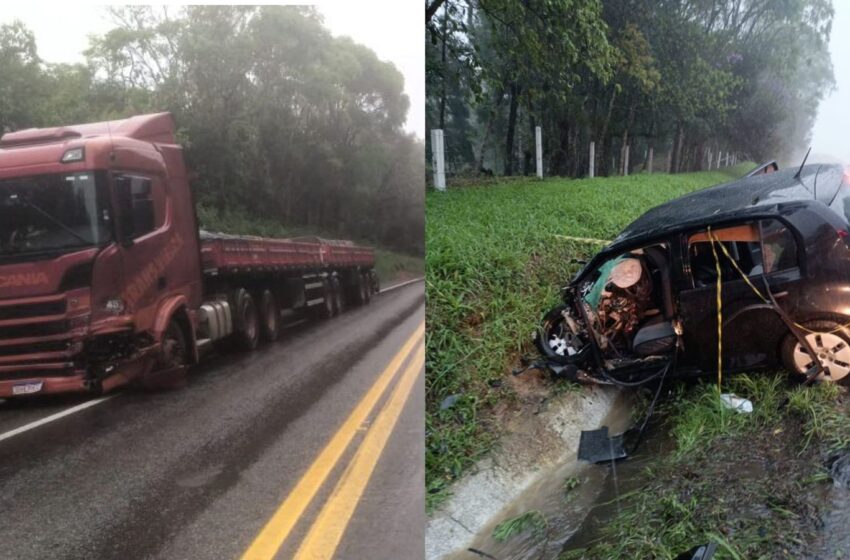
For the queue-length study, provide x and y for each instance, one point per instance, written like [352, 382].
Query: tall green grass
[494, 263]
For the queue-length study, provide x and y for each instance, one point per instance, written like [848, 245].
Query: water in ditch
[572, 498]
[574, 517]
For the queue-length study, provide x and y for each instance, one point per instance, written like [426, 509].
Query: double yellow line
[327, 531]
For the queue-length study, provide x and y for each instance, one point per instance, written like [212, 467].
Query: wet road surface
[311, 447]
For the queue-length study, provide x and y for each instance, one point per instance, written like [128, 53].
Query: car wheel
[554, 339]
[832, 344]
[246, 320]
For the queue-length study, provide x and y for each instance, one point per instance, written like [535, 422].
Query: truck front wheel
[246, 320]
[175, 350]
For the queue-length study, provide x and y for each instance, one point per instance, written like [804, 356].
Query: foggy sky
[830, 138]
[391, 28]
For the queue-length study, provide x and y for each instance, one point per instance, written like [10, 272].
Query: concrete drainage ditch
[536, 452]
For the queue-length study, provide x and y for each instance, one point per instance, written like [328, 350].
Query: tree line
[279, 119]
[680, 77]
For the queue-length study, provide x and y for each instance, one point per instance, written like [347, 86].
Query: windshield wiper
[55, 220]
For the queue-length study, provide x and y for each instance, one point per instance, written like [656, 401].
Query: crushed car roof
[750, 196]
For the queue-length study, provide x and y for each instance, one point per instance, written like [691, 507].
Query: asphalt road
[311, 447]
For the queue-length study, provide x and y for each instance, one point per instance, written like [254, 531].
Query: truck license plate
[27, 388]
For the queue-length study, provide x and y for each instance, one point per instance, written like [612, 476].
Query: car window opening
[629, 305]
[744, 246]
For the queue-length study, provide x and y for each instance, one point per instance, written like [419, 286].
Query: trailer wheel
[269, 317]
[339, 305]
[375, 282]
[361, 290]
[325, 310]
[246, 320]
[367, 288]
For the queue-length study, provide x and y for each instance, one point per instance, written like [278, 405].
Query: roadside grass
[495, 262]
[390, 265]
[733, 478]
[533, 521]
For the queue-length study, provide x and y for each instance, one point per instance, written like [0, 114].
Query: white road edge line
[52, 417]
[403, 284]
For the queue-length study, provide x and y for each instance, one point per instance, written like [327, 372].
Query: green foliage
[531, 520]
[823, 422]
[495, 262]
[681, 78]
[570, 484]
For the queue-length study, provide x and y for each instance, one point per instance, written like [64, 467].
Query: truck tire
[246, 320]
[374, 281]
[367, 288]
[325, 310]
[361, 289]
[269, 317]
[339, 304]
[175, 348]
[831, 341]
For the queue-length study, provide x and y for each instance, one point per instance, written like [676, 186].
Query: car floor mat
[596, 446]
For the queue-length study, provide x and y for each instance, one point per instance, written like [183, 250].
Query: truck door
[148, 244]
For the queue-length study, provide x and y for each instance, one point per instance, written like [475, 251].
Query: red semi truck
[105, 277]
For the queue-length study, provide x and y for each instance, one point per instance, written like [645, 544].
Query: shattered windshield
[47, 214]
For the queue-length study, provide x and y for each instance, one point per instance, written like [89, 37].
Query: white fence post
[592, 159]
[626, 161]
[649, 161]
[719, 155]
[437, 148]
[538, 140]
[709, 159]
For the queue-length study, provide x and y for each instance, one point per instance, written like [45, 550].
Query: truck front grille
[35, 338]
[30, 310]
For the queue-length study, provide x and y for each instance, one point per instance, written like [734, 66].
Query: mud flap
[596, 446]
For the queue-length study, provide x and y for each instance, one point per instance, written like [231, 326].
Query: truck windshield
[49, 214]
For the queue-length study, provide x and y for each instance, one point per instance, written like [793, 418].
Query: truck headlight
[115, 306]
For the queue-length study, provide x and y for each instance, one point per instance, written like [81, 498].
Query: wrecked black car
[761, 264]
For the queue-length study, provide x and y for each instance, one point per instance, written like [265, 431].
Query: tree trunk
[677, 148]
[509, 144]
[527, 155]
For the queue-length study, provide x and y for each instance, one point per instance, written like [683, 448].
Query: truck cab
[99, 253]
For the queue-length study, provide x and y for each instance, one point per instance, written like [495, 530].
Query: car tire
[552, 321]
[246, 320]
[831, 341]
[269, 317]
